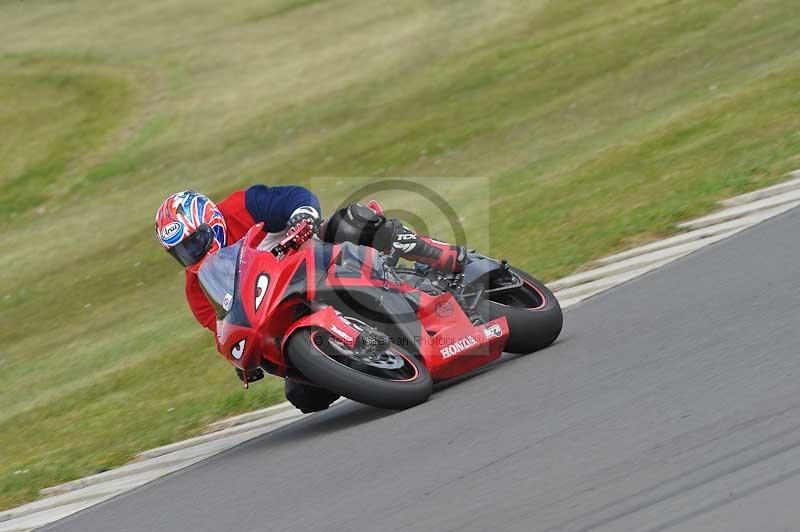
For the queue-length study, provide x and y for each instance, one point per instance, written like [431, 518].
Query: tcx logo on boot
[458, 347]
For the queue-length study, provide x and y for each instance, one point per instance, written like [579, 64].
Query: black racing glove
[305, 214]
[248, 376]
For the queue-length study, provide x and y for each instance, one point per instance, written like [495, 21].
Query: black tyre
[533, 313]
[393, 380]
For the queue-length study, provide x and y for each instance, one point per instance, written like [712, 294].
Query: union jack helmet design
[190, 227]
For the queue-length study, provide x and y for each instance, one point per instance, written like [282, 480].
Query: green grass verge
[600, 123]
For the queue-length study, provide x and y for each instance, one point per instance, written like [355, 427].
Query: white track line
[636, 262]
[699, 234]
[768, 192]
[743, 210]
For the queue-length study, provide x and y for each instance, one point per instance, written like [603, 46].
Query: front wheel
[533, 312]
[391, 379]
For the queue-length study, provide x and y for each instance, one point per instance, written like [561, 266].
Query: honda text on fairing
[346, 318]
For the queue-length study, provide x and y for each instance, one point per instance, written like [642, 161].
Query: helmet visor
[192, 249]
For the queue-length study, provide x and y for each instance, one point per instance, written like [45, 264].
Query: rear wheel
[388, 378]
[533, 313]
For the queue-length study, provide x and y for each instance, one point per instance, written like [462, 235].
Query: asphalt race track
[670, 403]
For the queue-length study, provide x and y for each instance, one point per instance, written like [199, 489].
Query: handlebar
[295, 237]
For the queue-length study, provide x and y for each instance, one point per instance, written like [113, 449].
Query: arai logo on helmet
[172, 233]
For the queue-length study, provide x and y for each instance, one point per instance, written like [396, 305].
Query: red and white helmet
[190, 227]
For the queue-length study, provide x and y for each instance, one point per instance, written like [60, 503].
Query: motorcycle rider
[191, 227]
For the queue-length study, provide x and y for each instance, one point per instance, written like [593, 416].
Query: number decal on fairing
[238, 350]
[262, 284]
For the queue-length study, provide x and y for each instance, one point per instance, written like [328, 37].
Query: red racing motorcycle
[348, 319]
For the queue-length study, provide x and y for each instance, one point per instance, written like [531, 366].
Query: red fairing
[267, 315]
[276, 296]
[457, 346]
[239, 345]
[263, 283]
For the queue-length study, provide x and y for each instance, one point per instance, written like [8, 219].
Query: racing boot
[441, 256]
[308, 399]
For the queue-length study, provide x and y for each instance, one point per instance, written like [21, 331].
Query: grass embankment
[600, 122]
